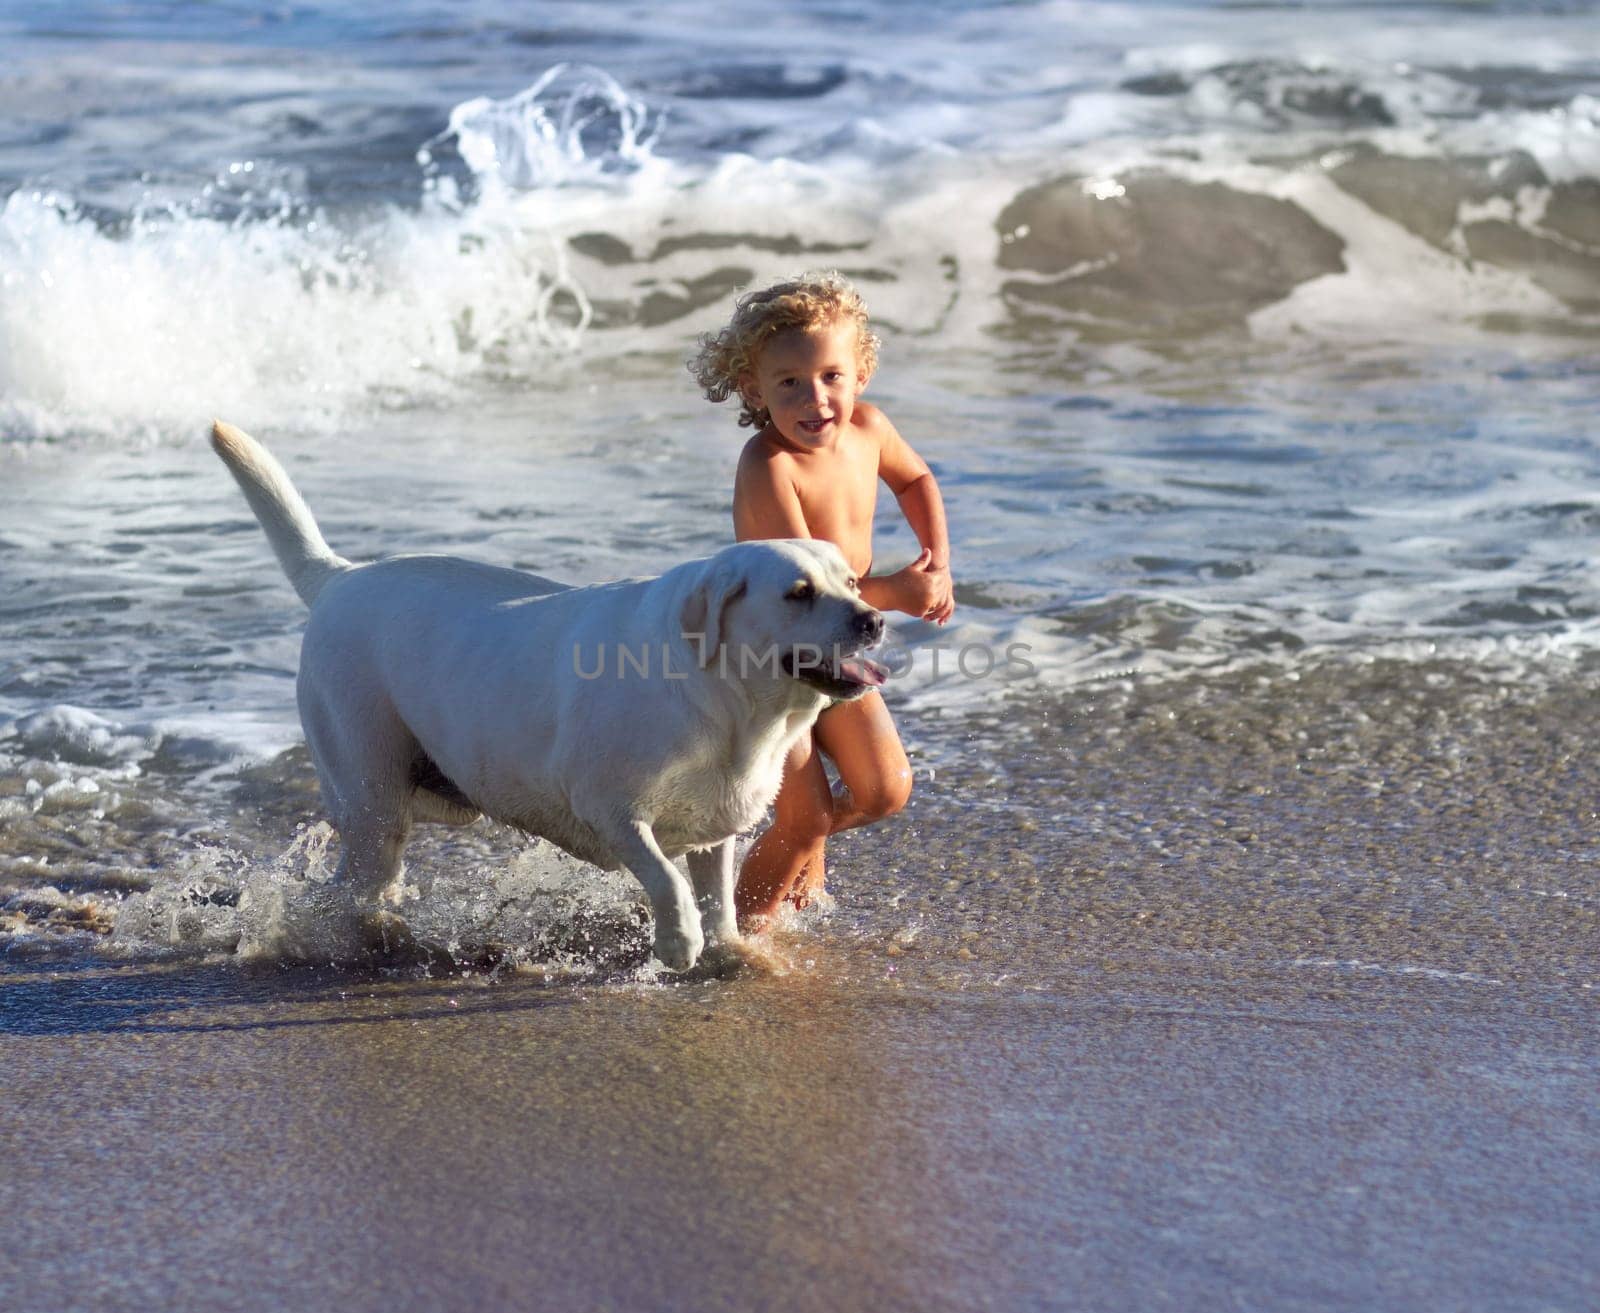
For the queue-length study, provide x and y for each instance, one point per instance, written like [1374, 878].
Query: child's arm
[924, 587]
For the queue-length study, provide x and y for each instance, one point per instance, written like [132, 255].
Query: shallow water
[1242, 954]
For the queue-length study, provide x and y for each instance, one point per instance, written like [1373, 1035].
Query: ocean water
[1254, 346]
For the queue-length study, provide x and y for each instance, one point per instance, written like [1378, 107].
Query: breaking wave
[1256, 198]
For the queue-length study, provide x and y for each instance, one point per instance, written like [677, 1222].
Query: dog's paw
[678, 947]
[316, 925]
[723, 957]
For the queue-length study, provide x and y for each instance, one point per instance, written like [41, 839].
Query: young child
[798, 355]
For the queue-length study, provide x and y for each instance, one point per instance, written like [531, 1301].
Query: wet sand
[192, 1138]
[1222, 995]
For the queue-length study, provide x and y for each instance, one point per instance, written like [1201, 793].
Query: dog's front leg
[711, 871]
[678, 937]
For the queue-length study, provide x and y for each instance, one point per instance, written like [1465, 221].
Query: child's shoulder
[764, 466]
[875, 435]
[869, 423]
[869, 419]
[762, 449]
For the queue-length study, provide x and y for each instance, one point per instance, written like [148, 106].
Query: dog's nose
[869, 624]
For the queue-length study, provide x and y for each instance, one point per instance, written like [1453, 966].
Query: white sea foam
[114, 746]
[1423, 291]
[189, 317]
[79, 736]
[573, 125]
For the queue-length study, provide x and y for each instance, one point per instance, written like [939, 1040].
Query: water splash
[575, 125]
[310, 316]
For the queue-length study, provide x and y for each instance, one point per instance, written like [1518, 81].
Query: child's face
[809, 379]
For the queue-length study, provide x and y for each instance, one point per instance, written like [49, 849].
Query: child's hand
[926, 590]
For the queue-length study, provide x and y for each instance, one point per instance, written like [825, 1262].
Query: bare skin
[813, 472]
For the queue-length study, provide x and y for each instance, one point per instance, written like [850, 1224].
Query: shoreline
[1170, 1007]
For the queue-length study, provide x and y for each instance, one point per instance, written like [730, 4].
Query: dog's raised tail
[306, 558]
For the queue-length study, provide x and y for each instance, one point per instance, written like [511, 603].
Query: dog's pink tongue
[863, 671]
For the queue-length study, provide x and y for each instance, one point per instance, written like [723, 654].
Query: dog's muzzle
[841, 671]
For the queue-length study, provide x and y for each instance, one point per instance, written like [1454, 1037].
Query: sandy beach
[1213, 1035]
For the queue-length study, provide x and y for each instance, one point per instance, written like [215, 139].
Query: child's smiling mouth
[815, 425]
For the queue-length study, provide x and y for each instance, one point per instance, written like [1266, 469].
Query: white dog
[627, 723]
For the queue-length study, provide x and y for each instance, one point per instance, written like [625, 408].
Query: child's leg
[874, 775]
[802, 817]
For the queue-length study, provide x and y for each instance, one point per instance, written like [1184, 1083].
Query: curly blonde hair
[810, 301]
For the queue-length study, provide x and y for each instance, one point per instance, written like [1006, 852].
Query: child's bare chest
[838, 498]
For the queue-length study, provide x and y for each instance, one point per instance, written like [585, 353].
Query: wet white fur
[473, 667]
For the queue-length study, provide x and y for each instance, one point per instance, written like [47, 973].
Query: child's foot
[808, 885]
[757, 899]
[755, 924]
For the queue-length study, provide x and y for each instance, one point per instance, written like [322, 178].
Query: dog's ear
[705, 612]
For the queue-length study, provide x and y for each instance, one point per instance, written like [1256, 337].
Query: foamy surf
[1395, 202]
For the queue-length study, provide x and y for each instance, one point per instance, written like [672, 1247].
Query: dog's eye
[801, 592]
[853, 584]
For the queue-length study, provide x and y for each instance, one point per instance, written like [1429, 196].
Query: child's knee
[883, 798]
